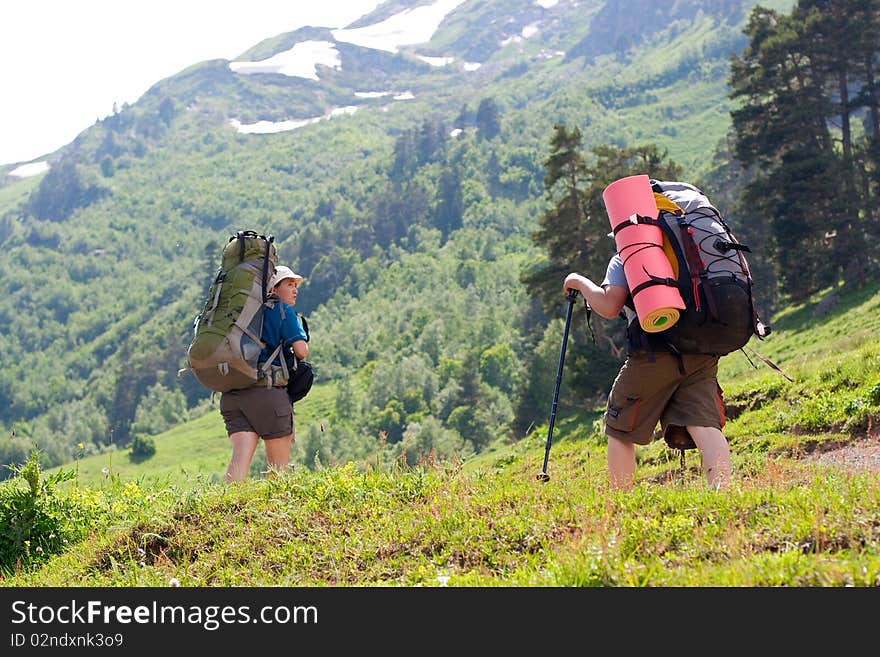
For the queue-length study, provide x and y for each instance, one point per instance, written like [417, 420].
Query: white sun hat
[281, 273]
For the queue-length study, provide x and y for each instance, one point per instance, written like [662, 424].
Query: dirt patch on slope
[858, 455]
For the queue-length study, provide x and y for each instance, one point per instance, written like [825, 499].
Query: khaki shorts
[646, 392]
[265, 411]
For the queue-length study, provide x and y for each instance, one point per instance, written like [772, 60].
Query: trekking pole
[542, 475]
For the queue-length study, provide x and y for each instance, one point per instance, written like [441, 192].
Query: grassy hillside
[833, 356]
[192, 453]
[786, 521]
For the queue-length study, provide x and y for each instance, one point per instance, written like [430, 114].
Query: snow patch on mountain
[272, 127]
[28, 170]
[300, 61]
[407, 28]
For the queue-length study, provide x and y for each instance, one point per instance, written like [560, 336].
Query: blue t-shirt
[275, 329]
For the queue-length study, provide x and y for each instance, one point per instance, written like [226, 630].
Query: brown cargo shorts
[265, 411]
[646, 392]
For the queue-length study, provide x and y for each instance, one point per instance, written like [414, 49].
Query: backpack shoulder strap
[269, 240]
[305, 325]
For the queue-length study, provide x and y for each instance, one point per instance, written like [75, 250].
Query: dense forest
[434, 236]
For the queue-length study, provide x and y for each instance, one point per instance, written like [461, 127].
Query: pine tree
[794, 82]
[450, 202]
[574, 229]
[561, 227]
[488, 119]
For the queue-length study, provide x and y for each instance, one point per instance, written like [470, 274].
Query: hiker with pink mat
[656, 383]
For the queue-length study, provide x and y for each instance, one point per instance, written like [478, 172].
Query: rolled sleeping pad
[640, 245]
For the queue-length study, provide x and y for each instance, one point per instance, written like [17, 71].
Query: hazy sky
[63, 63]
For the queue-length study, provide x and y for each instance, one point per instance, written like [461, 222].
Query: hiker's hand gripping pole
[571, 296]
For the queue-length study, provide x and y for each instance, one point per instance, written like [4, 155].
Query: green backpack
[226, 342]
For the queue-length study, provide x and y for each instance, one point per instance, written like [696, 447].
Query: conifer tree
[795, 81]
[450, 204]
[561, 227]
[574, 228]
[488, 119]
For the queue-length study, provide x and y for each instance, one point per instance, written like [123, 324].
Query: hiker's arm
[300, 349]
[294, 334]
[607, 301]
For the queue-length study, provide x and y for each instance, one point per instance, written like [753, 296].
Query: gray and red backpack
[711, 274]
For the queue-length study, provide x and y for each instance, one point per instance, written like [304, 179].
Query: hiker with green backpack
[264, 410]
[670, 376]
[249, 345]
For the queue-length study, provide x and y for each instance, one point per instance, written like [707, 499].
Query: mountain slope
[109, 253]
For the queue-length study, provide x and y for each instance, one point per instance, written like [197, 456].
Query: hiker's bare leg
[715, 454]
[278, 454]
[244, 444]
[621, 457]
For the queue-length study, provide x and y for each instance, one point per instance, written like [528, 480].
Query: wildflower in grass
[77, 457]
[132, 492]
[173, 582]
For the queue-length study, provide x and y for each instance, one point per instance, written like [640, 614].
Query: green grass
[198, 448]
[782, 524]
[16, 192]
[834, 360]
[786, 521]
[195, 452]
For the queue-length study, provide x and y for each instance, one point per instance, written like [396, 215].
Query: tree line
[807, 131]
